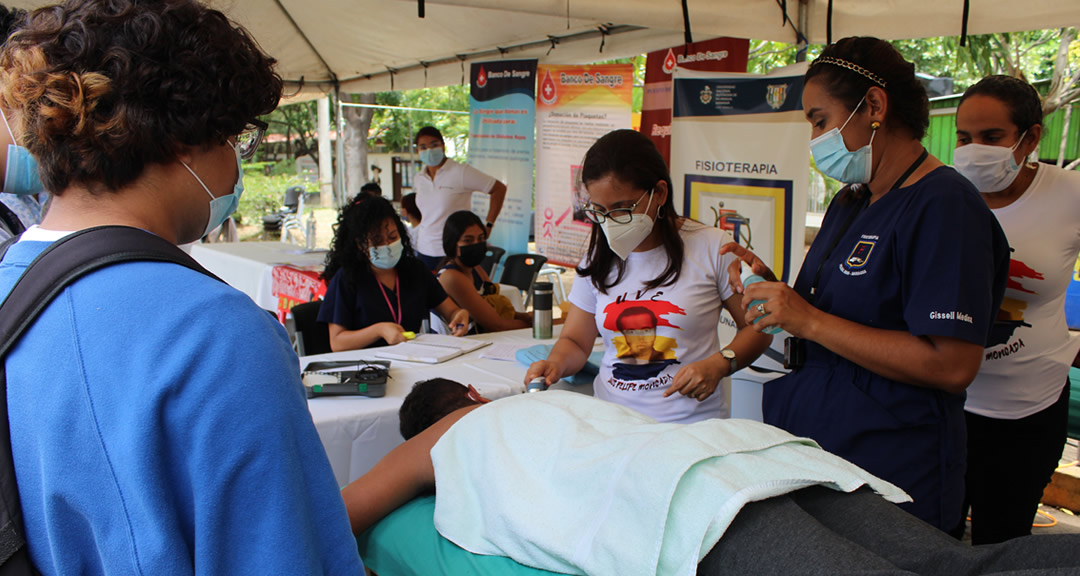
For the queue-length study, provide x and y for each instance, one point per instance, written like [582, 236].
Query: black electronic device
[348, 378]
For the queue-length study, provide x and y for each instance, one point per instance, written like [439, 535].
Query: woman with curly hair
[158, 422]
[378, 289]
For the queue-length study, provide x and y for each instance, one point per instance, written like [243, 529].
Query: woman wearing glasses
[650, 280]
[444, 187]
[158, 422]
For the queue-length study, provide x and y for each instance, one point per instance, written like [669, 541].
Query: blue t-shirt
[365, 304]
[929, 259]
[159, 426]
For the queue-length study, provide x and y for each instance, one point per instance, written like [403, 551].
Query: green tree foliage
[396, 128]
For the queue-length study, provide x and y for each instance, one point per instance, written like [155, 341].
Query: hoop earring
[660, 213]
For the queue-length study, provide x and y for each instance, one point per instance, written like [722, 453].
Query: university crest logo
[860, 255]
[775, 94]
[706, 95]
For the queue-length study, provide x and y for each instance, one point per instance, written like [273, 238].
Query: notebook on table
[431, 348]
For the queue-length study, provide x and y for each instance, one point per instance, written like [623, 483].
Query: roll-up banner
[576, 105]
[716, 55]
[502, 112]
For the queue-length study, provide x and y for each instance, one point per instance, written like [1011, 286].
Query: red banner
[293, 285]
[716, 55]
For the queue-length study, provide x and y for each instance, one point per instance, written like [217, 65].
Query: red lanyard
[395, 315]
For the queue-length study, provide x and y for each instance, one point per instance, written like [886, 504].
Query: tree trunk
[1064, 135]
[357, 126]
[1064, 85]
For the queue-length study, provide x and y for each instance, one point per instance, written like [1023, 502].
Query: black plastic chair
[491, 260]
[520, 271]
[290, 206]
[312, 336]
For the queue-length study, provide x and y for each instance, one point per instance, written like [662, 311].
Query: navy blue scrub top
[365, 305]
[930, 259]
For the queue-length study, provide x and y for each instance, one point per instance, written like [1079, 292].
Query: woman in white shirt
[444, 187]
[1017, 407]
[653, 285]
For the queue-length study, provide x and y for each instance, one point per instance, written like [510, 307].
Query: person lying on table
[567, 483]
[377, 289]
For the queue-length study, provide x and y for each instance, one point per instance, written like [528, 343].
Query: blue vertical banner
[502, 120]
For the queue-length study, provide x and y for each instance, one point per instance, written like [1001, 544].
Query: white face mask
[990, 168]
[623, 238]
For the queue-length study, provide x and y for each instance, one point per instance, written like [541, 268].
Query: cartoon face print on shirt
[641, 352]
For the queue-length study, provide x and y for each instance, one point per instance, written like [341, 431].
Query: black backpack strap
[10, 221]
[72, 257]
[61, 264]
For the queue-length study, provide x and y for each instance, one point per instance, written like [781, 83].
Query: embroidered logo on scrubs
[860, 255]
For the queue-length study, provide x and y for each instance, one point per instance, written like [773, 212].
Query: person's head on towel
[431, 400]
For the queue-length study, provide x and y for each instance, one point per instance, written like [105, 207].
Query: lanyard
[398, 314]
[864, 201]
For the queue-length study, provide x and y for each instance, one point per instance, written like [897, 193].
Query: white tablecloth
[357, 432]
[249, 266]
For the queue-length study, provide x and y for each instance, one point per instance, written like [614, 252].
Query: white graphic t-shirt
[650, 334]
[1026, 374]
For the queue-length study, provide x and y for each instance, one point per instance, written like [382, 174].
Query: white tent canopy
[355, 44]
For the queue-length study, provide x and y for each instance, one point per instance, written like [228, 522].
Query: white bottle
[309, 232]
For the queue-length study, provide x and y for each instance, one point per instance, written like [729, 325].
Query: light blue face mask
[386, 257]
[221, 207]
[21, 175]
[432, 156]
[834, 160]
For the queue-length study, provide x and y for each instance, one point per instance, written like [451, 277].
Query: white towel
[567, 483]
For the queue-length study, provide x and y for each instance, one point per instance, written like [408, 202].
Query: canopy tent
[378, 45]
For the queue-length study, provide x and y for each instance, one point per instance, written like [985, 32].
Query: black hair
[456, 225]
[408, 204]
[1021, 98]
[428, 131]
[362, 220]
[633, 159]
[428, 402]
[909, 106]
[105, 88]
[372, 189]
[635, 311]
[10, 19]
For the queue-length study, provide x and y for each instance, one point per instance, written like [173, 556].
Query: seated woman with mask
[377, 289]
[465, 243]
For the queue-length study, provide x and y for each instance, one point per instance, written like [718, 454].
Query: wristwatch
[729, 354]
[490, 224]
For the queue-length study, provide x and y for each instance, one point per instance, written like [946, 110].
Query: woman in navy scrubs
[377, 289]
[898, 294]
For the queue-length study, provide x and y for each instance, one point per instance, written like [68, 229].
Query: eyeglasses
[248, 140]
[618, 215]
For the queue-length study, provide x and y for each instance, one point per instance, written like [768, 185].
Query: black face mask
[473, 254]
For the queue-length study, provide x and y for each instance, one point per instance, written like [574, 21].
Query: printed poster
[716, 55]
[740, 159]
[502, 110]
[575, 106]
